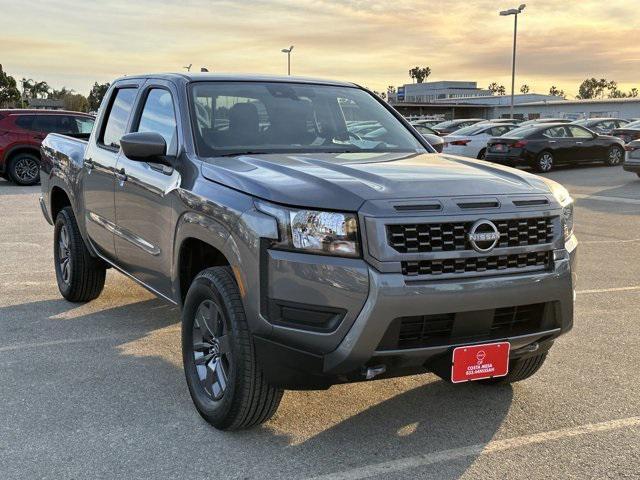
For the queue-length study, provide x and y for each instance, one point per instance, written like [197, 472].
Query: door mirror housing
[144, 147]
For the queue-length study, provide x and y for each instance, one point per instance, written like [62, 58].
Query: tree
[633, 93]
[96, 94]
[9, 93]
[524, 88]
[391, 89]
[496, 89]
[76, 102]
[40, 90]
[555, 92]
[593, 88]
[419, 74]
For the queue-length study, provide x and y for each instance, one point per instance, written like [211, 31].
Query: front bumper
[632, 165]
[299, 358]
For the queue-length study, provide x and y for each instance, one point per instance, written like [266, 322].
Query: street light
[288, 52]
[514, 12]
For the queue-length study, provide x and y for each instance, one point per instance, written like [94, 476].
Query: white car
[471, 141]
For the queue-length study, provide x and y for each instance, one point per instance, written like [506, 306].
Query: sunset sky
[374, 43]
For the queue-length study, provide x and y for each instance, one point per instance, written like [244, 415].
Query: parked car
[604, 126]
[632, 157]
[430, 136]
[510, 121]
[22, 131]
[426, 122]
[445, 128]
[471, 141]
[544, 146]
[629, 132]
[537, 121]
[300, 256]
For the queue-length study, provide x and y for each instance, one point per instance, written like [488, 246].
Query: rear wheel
[519, 369]
[80, 276]
[482, 154]
[226, 383]
[544, 163]
[24, 169]
[615, 156]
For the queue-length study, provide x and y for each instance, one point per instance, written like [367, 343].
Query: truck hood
[345, 181]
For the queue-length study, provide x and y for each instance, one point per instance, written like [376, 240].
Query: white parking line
[478, 449]
[606, 290]
[632, 201]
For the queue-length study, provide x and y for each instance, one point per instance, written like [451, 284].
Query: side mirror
[144, 147]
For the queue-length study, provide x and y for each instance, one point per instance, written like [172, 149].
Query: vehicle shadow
[10, 188]
[87, 375]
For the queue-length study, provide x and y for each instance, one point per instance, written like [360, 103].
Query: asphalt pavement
[97, 390]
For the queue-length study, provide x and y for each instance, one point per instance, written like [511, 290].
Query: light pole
[288, 52]
[514, 12]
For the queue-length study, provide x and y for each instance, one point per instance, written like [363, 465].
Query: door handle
[88, 163]
[578, 143]
[121, 176]
[552, 141]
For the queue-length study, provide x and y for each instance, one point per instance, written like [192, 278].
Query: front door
[144, 210]
[586, 145]
[98, 172]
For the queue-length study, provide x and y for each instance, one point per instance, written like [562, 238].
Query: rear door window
[555, 132]
[118, 117]
[25, 121]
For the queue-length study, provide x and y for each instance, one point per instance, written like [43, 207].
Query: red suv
[22, 131]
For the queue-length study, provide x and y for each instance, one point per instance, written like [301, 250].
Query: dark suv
[22, 132]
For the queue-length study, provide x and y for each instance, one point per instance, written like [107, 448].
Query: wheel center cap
[215, 348]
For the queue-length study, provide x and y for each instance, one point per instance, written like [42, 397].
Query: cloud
[370, 42]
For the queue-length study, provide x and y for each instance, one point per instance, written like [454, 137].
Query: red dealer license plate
[480, 361]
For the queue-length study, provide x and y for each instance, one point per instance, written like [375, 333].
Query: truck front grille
[476, 264]
[449, 329]
[438, 237]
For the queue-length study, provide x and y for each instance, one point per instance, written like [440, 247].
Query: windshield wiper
[242, 152]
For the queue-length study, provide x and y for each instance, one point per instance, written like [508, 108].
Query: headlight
[562, 196]
[313, 231]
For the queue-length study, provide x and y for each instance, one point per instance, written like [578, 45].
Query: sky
[373, 43]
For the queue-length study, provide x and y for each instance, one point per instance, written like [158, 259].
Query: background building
[456, 99]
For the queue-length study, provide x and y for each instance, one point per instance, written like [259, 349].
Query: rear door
[144, 214]
[98, 173]
[558, 141]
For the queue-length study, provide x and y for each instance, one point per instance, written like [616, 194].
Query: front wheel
[24, 169]
[226, 383]
[615, 156]
[80, 276]
[544, 162]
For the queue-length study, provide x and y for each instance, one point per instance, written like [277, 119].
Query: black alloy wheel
[211, 349]
[24, 169]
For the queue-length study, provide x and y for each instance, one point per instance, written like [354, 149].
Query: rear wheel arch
[58, 199]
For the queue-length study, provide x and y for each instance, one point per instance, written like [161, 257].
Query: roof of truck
[237, 77]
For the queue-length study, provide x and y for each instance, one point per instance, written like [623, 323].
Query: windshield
[232, 118]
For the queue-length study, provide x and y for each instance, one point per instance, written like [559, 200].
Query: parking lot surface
[97, 390]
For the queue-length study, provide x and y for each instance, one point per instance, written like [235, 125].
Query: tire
[482, 154]
[544, 162]
[615, 156]
[519, 369]
[226, 383]
[24, 169]
[80, 276]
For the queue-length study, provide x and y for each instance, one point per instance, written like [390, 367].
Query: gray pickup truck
[310, 236]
